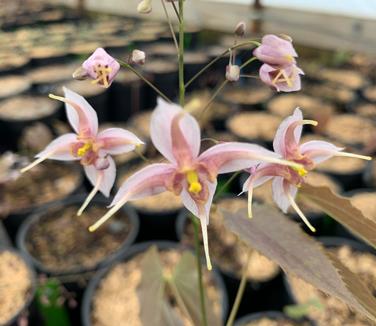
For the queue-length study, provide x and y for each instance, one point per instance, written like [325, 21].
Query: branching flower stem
[137, 73]
[236, 46]
[170, 25]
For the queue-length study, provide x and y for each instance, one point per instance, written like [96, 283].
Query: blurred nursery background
[53, 271]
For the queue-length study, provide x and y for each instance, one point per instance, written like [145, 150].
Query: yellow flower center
[301, 171]
[194, 184]
[84, 149]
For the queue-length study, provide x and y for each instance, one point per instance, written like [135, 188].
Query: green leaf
[341, 209]
[281, 240]
[49, 302]
[299, 311]
[185, 279]
[151, 290]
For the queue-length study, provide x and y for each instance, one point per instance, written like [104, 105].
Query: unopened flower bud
[144, 7]
[80, 74]
[240, 29]
[102, 163]
[232, 73]
[138, 57]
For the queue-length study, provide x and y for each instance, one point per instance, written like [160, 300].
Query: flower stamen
[108, 215]
[195, 186]
[102, 75]
[91, 195]
[362, 157]
[299, 212]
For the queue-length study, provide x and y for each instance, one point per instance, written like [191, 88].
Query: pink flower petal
[81, 115]
[108, 176]
[275, 51]
[60, 148]
[174, 142]
[280, 187]
[234, 156]
[193, 207]
[149, 181]
[281, 142]
[117, 141]
[319, 151]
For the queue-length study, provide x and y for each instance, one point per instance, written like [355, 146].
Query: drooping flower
[275, 50]
[286, 180]
[279, 69]
[282, 78]
[92, 148]
[100, 67]
[176, 135]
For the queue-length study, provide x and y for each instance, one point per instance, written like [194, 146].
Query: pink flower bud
[240, 29]
[144, 7]
[232, 73]
[138, 57]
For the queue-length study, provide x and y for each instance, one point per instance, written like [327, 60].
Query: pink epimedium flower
[282, 78]
[176, 135]
[286, 180]
[100, 67]
[275, 50]
[92, 148]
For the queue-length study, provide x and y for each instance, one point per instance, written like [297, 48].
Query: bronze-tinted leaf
[185, 278]
[151, 290]
[341, 209]
[281, 240]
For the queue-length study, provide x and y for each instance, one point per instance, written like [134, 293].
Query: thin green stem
[199, 270]
[218, 58]
[181, 54]
[222, 85]
[128, 66]
[227, 183]
[250, 60]
[175, 9]
[170, 25]
[216, 92]
[239, 294]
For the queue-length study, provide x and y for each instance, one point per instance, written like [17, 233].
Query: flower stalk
[138, 74]
[240, 293]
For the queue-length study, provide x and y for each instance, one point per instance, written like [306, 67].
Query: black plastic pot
[72, 200]
[347, 180]
[94, 94]
[166, 80]
[369, 174]
[11, 129]
[267, 294]
[133, 251]
[273, 315]
[156, 225]
[194, 62]
[127, 96]
[28, 306]
[14, 219]
[248, 88]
